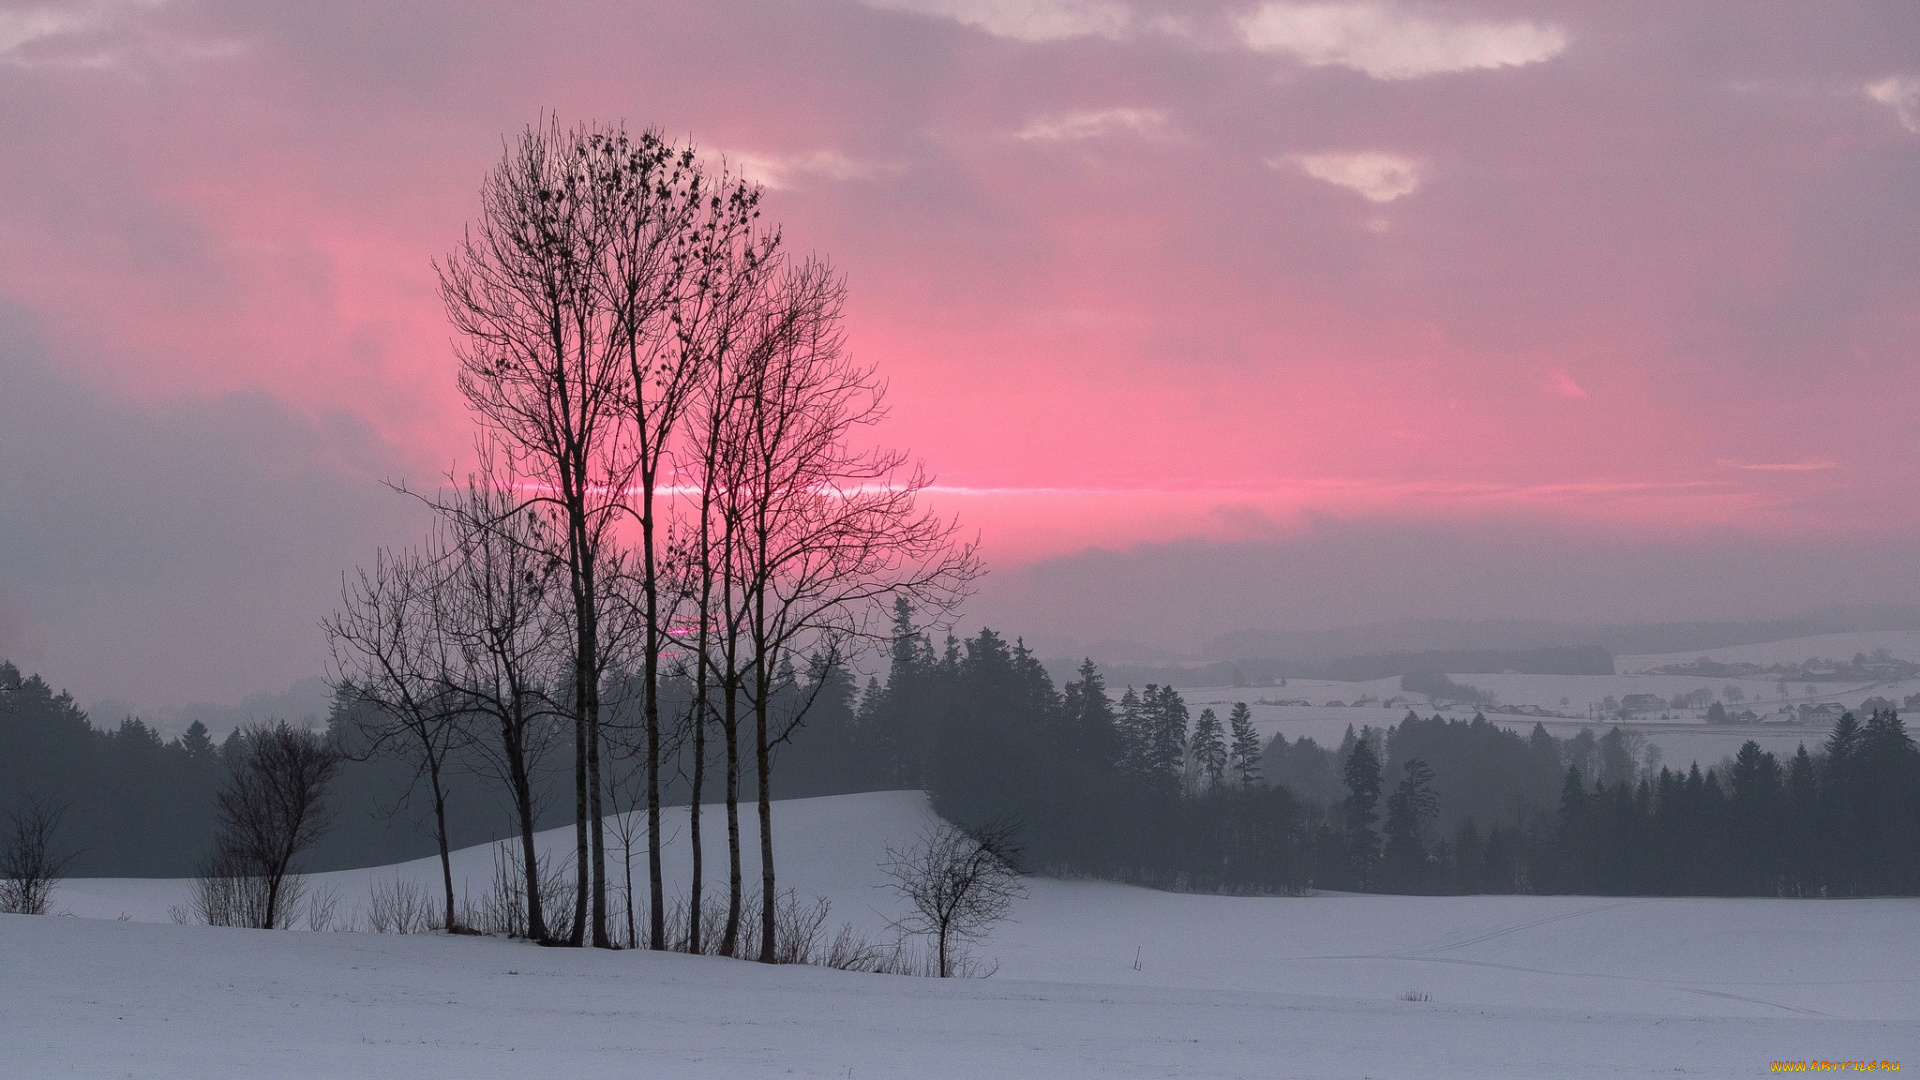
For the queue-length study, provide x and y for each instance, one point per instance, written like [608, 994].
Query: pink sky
[1139, 273]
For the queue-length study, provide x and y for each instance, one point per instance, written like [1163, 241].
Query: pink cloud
[1562, 385]
[1092, 332]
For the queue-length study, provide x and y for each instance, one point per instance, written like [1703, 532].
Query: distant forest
[135, 805]
[1137, 789]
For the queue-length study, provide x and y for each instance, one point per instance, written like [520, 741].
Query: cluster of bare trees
[672, 482]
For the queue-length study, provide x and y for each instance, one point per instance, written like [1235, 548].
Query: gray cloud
[1173, 599]
[179, 550]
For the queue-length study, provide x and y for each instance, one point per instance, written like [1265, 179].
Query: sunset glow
[1134, 273]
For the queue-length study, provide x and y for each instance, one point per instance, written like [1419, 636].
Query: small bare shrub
[503, 907]
[228, 893]
[557, 891]
[399, 906]
[848, 951]
[320, 908]
[796, 928]
[30, 866]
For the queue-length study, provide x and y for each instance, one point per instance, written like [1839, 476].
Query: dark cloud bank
[175, 551]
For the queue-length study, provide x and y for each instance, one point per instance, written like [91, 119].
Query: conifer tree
[197, 743]
[1362, 774]
[1092, 729]
[1246, 746]
[1408, 808]
[1136, 737]
[1209, 751]
[1168, 715]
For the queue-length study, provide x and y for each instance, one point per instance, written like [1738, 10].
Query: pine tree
[1408, 808]
[197, 743]
[1136, 735]
[1362, 773]
[1209, 751]
[1093, 731]
[1803, 801]
[1246, 746]
[1167, 717]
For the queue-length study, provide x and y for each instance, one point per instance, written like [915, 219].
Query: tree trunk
[440, 833]
[763, 771]
[599, 831]
[693, 943]
[626, 868]
[650, 664]
[272, 914]
[530, 864]
[591, 837]
[730, 938]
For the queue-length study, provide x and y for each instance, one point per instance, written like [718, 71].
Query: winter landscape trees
[675, 550]
[668, 420]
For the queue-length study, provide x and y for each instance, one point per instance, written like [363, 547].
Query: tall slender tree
[509, 629]
[391, 669]
[828, 533]
[1361, 810]
[1245, 763]
[1208, 752]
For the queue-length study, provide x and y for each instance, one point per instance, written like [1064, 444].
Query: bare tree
[271, 809]
[392, 667]
[543, 365]
[722, 324]
[31, 866]
[677, 243]
[826, 535]
[508, 638]
[959, 882]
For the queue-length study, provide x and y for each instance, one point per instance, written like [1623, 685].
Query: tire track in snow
[1416, 953]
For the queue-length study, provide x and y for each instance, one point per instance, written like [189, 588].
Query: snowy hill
[1224, 986]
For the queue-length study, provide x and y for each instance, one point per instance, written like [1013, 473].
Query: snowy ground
[1903, 644]
[1268, 987]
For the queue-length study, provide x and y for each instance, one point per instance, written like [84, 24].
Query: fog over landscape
[1365, 530]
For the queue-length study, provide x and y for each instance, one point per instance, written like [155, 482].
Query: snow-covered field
[1903, 644]
[1223, 986]
[1683, 736]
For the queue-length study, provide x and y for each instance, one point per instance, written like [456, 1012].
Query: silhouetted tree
[31, 862]
[1409, 808]
[270, 810]
[544, 363]
[959, 883]
[393, 669]
[1245, 762]
[1362, 775]
[1208, 752]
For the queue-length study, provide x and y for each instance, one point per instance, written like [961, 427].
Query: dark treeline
[1129, 786]
[138, 805]
[1140, 790]
[130, 803]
